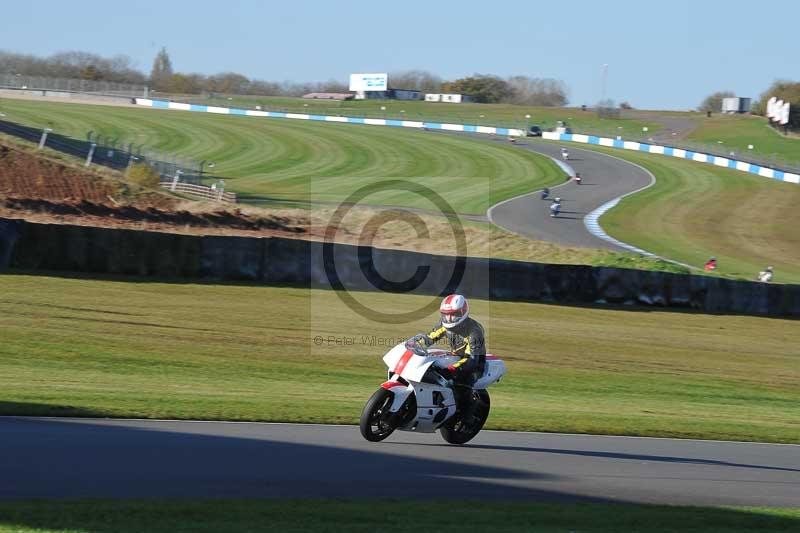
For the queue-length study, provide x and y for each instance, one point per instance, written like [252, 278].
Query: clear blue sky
[665, 55]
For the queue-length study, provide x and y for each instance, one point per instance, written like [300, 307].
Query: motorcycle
[418, 397]
[555, 209]
[578, 179]
[545, 193]
[564, 155]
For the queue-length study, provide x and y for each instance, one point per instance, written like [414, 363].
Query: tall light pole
[527, 122]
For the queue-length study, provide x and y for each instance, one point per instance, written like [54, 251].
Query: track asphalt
[94, 458]
[603, 179]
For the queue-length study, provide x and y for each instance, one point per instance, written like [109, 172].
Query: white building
[735, 104]
[450, 98]
[390, 94]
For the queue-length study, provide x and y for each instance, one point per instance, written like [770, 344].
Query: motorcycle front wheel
[373, 423]
[457, 431]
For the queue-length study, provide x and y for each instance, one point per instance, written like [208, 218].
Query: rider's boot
[464, 404]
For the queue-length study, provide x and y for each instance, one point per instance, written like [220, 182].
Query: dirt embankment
[44, 190]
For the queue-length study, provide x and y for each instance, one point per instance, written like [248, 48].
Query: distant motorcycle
[578, 178]
[564, 154]
[545, 193]
[419, 398]
[555, 208]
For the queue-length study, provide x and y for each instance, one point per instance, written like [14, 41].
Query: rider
[578, 178]
[466, 338]
[555, 207]
[545, 193]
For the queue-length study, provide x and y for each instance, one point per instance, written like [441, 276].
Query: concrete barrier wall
[31, 246]
[163, 104]
[676, 152]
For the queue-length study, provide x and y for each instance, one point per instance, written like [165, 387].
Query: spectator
[765, 275]
[711, 264]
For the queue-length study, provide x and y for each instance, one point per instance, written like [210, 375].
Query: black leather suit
[468, 341]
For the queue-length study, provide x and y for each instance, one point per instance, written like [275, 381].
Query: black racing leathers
[466, 340]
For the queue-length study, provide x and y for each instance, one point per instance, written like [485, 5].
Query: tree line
[164, 78]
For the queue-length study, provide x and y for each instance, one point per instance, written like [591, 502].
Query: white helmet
[454, 310]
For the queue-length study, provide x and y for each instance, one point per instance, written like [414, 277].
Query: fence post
[175, 180]
[44, 137]
[131, 159]
[90, 155]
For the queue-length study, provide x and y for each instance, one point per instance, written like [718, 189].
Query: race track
[604, 178]
[87, 458]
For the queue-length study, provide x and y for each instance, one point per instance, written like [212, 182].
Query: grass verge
[508, 115]
[295, 516]
[737, 132]
[286, 162]
[695, 211]
[236, 352]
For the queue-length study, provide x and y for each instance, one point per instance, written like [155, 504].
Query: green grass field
[295, 516]
[278, 161]
[134, 348]
[736, 132]
[696, 210]
[508, 115]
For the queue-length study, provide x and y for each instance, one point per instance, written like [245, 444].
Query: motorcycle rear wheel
[372, 424]
[455, 431]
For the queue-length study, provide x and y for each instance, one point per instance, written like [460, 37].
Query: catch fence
[41, 83]
[110, 152]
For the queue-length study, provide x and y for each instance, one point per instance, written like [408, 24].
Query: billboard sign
[771, 108]
[784, 115]
[369, 82]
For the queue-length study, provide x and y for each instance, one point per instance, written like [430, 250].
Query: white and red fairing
[411, 367]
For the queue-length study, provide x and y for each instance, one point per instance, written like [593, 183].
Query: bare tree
[537, 91]
[420, 80]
